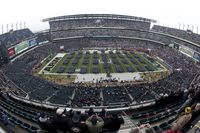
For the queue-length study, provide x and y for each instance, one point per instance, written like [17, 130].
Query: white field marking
[60, 55]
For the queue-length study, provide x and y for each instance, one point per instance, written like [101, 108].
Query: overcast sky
[167, 12]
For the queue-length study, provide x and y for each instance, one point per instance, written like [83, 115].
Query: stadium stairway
[128, 123]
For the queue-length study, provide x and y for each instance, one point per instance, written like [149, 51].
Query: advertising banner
[11, 52]
[32, 42]
[186, 50]
[21, 47]
[196, 56]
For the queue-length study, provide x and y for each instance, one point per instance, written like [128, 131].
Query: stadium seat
[164, 126]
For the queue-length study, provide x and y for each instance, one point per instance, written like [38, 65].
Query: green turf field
[137, 62]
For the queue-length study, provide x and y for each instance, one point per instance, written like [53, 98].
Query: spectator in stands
[78, 126]
[102, 114]
[83, 116]
[94, 124]
[182, 120]
[5, 119]
[68, 112]
[185, 104]
[46, 124]
[195, 106]
[61, 121]
[113, 123]
[91, 112]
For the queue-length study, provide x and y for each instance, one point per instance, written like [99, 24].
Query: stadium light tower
[192, 28]
[16, 26]
[7, 26]
[24, 25]
[2, 29]
[20, 25]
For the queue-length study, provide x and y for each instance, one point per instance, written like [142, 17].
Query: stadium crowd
[111, 32]
[189, 112]
[184, 71]
[188, 34]
[85, 23]
[68, 121]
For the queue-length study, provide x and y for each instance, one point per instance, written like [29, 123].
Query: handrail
[97, 109]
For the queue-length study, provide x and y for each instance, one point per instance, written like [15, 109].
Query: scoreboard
[21, 47]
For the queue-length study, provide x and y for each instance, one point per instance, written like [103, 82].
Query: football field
[95, 61]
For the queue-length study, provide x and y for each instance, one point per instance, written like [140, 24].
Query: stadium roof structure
[98, 16]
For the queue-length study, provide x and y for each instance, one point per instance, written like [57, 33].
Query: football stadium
[100, 73]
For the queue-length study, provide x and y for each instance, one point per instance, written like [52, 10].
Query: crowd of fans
[86, 96]
[84, 23]
[20, 72]
[117, 32]
[68, 121]
[189, 112]
[185, 34]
